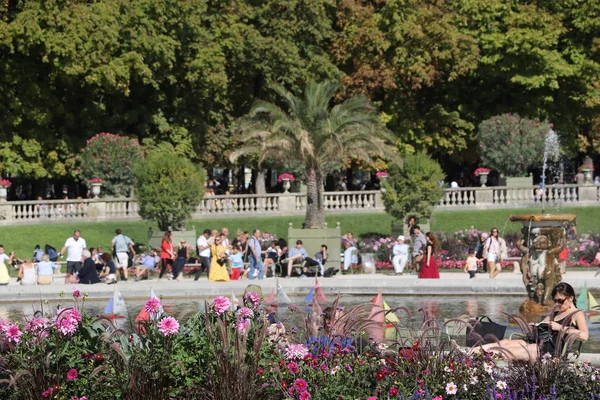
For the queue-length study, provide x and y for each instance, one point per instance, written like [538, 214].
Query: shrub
[168, 188]
[413, 188]
[511, 144]
[111, 158]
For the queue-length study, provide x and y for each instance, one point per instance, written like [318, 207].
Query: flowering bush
[266, 240]
[285, 177]
[382, 174]
[111, 158]
[481, 170]
[586, 167]
[5, 183]
[96, 180]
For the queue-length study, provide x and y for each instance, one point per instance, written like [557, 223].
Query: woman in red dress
[429, 269]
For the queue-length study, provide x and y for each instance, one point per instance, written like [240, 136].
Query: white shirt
[225, 242]
[201, 243]
[400, 250]
[3, 258]
[75, 248]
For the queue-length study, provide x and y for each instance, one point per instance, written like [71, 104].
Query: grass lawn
[23, 238]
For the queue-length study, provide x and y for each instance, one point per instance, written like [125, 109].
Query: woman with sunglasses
[494, 251]
[218, 262]
[566, 323]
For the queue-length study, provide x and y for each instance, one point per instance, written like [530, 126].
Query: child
[237, 263]
[272, 257]
[471, 264]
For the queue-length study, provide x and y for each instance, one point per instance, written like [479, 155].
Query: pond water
[441, 307]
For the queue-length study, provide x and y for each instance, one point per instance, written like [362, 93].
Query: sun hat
[401, 237]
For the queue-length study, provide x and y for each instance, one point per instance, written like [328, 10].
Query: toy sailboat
[587, 302]
[316, 294]
[278, 297]
[234, 302]
[390, 320]
[116, 306]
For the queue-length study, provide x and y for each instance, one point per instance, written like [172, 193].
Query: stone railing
[126, 209]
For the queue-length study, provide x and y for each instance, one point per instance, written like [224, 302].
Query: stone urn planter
[368, 263]
[483, 178]
[96, 189]
[3, 193]
[286, 184]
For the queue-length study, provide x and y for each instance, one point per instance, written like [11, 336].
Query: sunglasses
[559, 301]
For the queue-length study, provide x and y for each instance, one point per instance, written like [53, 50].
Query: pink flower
[243, 325]
[67, 321]
[252, 299]
[48, 392]
[304, 395]
[324, 367]
[76, 293]
[393, 392]
[72, 374]
[293, 368]
[245, 313]
[220, 304]
[296, 352]
[36, 326]
[437, 398]
[371, 398]
[168, 326]
[153, 306]
[300, 384]
[13, 334]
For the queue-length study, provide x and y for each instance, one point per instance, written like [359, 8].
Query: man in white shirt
[75, 246]
[203, 249]
[400, 252]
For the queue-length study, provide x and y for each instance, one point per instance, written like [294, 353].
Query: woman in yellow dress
[218, 262]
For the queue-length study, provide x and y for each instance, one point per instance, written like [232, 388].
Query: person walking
[167, 255]
[429, 269]
[494, 250]
[122, 246]
[203, 248]
[400, 255]
[255, 256]
[75, 246]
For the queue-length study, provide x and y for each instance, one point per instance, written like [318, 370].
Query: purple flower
[348, 367]
[220, 305]
[245, 313]
[251, 299]
[168, 326]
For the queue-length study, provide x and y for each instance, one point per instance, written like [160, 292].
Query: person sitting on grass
[564, 324]
[148, 263]
[296, 255]
[88, 275]
[109, 269]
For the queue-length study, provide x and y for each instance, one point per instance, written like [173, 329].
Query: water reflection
[441, 307]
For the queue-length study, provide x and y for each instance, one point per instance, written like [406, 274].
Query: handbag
[484, 332]
[541, 334]
[221, 261]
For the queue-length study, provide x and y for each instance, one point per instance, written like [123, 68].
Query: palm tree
[317, 133]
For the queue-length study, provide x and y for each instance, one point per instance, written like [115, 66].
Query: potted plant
[587, 169]
[96, 184]
[482, 173]
[4, 185]
[286, 180]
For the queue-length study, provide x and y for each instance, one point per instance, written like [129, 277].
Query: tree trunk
[260, 182]
[315, 205]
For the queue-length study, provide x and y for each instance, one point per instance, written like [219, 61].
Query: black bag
[329, 272]
[221, 261]
[487, 332]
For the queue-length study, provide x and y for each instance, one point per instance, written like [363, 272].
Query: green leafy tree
[320, 135]
[413, 187]
[168, 187]
[510, 144]
[111, 158]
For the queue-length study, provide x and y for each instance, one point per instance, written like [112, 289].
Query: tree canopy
[182, 72]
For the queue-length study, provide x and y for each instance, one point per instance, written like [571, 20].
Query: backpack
[37, 255]
[51, 251]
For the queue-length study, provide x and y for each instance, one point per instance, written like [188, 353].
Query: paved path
[450, 283]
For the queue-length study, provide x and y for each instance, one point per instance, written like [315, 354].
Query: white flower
[489, 367]
[334, 370]
[593, 377]
[451, 388]
[501, 385]
[465, 387]
[382, 346]
[474, 380]
[447, 369]
[382, 361]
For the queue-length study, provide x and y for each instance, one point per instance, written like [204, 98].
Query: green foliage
[168, 187]
[110, 158]
[510, 144]
[413, 188]
[33, 158]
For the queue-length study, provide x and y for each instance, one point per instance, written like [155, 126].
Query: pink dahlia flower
[168, 326]
[153, 306]
[296, 352]
[220, 305]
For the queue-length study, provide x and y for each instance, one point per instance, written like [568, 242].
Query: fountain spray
[551, 153]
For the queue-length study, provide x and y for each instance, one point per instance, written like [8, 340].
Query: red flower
[72, 374]
[393, 391]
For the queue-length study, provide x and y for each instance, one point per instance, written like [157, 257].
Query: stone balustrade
[126, 209]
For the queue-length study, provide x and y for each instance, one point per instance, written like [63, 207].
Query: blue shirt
[122, 243]
[295, 251]
[149, 261]
[46, 268]
[237, 260]
[255, 244]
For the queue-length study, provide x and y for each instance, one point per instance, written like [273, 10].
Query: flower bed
[237, 352]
